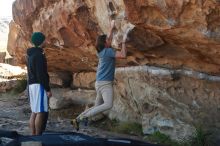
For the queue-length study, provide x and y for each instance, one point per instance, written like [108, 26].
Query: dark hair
[100, 42]
[37, 38]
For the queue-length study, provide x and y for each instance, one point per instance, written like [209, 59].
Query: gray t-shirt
[106, 66]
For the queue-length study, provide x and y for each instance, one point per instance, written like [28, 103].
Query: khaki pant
[104, 99]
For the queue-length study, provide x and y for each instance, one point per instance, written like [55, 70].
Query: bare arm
[110, 35]
[123, 52]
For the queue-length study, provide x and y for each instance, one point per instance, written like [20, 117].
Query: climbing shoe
[85, 121]
[75, 124]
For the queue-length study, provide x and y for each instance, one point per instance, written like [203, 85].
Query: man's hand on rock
[125, 35]
[112, 24]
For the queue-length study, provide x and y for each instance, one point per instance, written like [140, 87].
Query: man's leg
[98, 101]
[107, 95]
[40, 122]
[32, 123]
[75, 122]
[45, 121]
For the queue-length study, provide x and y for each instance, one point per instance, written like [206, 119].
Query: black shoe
[85, 122]
[75, 124]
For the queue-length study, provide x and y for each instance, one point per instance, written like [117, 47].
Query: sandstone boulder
[181, 38]
[84, 80]
[162, 101]
[63, 98]
[60, 79]
[175, 34]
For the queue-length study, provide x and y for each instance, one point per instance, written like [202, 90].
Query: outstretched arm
[123, 52]
[110, 35]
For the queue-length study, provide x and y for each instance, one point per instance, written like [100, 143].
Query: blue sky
[6, 8]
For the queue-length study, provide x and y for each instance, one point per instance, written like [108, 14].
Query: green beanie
[37, 38]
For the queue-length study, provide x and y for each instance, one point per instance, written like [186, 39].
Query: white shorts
[38, 98]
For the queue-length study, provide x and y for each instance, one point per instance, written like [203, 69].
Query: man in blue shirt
[104, 76]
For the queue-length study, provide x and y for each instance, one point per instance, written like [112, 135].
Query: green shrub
[114, 125]
[20, 86]
[160, 138]
[200, 138]
[128, 128]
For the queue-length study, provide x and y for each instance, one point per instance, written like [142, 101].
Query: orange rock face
[167, 33]
[180, 37]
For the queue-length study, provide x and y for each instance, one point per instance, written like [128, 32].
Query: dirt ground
[15, 112]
